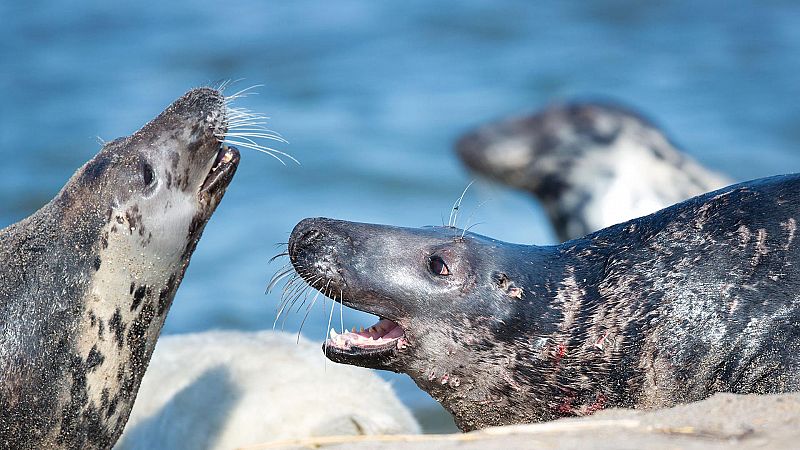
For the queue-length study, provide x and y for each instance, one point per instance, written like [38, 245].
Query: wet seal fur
[699, 298]
[86, 281]
[590, 164]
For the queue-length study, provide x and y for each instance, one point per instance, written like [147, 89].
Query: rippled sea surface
[371, 96]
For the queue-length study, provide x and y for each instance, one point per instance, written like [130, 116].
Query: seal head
[89, 278]
[591, 165]
[669, 308]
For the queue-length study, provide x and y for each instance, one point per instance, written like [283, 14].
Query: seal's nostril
[309, 236]
[305, 234]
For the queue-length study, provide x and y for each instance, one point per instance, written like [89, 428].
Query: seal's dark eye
[438, 267]
[147, 174]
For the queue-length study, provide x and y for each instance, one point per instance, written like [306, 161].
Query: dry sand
[721, 422]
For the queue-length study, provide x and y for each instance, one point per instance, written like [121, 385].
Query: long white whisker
[341, 309]
[457, 205]
[254, 147]
[268, 150]
[247, 89]
[274, 137]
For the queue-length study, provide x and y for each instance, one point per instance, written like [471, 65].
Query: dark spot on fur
[117, 327]
[97, 262]
[137, 342]
[166, 294]
[112, 407]
[138, 296]
[133, 286]
[94, 359]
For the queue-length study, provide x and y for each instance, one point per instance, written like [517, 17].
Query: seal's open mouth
[381, 339]
[222, 171]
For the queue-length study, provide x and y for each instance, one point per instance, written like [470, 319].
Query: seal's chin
[366, 347]
[222, 171]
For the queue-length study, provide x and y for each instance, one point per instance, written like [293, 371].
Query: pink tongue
[395, 332]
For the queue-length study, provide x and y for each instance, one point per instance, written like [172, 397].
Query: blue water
[371, 96]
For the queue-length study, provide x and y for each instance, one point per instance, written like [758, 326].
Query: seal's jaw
[221, 173]
[374, 347]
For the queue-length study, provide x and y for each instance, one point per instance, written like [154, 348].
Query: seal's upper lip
[222, 171]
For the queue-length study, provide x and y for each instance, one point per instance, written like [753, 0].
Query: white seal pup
[591, 165]
[86, 281]
[231, 389]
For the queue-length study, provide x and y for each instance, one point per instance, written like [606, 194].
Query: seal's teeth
[354, 329]
[333, 334]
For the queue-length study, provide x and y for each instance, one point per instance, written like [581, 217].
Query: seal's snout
[303, 236]
[314, 250]
[200, 100]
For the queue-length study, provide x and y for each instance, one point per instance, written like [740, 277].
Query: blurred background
[371, 96]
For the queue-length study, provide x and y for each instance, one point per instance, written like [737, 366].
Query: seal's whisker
[289, 286]
[243, 126]
[254, 147]
[238, 134]
[278, 256]
[227, 83]
[278, 315]
[287, 305]
[469, 219]
[330, 318]
[308, 310]
[222, 85]
[453, 221]
[253, 127]
[471, 227]
[299, 293]
[238, 94]
[341, 309]
[289, 293]
[278, 277]
[239, 120]
[267, 150]
[248, 139]
[240, 115]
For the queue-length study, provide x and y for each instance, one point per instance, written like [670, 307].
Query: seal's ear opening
[501, 280]
[505, 284]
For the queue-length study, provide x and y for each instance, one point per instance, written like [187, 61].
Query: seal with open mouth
[591, 165]
[698, 298]
[86, 281]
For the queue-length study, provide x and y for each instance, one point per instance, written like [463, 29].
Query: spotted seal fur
[590, 164]
[698, 298]
[86, 281]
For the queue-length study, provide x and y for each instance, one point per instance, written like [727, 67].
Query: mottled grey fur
[592, 165]
[698, 298]
[87, 280]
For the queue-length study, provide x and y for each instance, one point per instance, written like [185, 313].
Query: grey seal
[87, 280]
[695, 299]
[590, 164]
